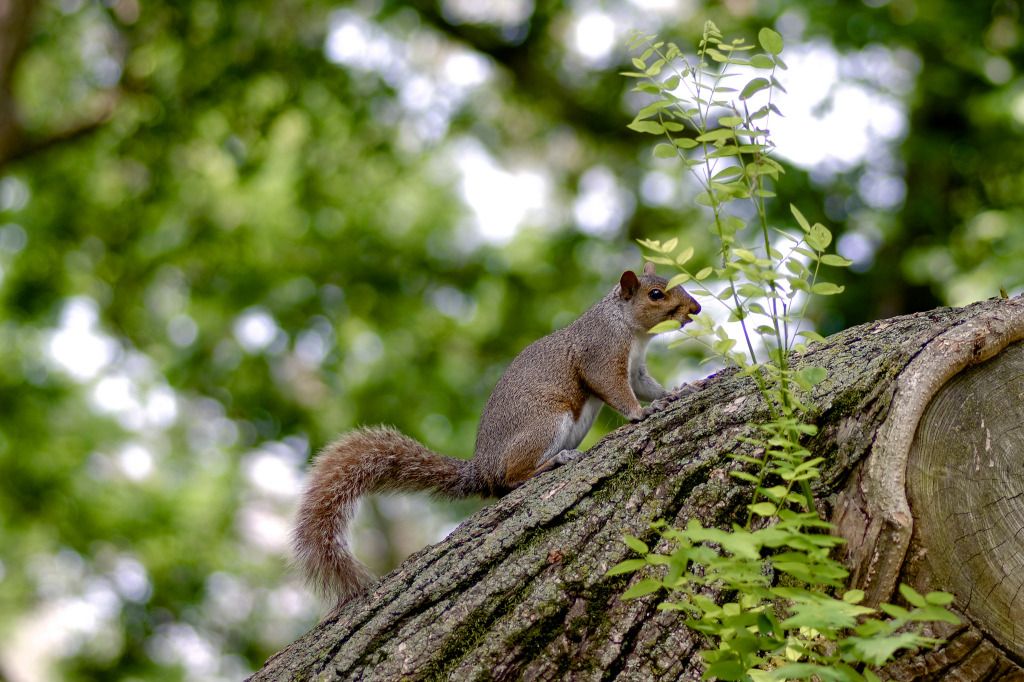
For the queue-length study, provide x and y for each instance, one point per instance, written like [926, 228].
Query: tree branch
[15, 141]
[520, 590]
[15, 19]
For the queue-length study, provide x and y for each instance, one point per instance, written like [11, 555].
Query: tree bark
[519, 590]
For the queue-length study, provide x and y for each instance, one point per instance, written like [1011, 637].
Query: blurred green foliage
[234, 230]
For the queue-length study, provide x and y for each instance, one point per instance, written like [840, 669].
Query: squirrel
[539, 412]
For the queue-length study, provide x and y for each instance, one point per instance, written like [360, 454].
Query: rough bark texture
[519, 590]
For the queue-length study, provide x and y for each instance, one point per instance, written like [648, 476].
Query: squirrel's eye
[656, 294]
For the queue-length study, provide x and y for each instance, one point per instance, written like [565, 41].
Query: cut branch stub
[965, 479]
[874, 514]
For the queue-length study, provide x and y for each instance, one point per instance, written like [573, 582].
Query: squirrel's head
[651, 302]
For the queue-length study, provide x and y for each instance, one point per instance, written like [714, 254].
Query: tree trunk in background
[519, 590]
[15, 19]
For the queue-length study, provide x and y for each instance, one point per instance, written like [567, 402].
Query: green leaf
[936, 613]
[819, 237]
[826, 289]
[730, 121]
[636, 544]
[853, 596]
[665, 326]
[895, 611]
[811, 335]
[685, 142]
[655, 68]
[761, 61]
[878, 650]
[703, 273]
[665, 151]
[726, 670]
[652, 108]
[627, 566]
[724, 152]
[763, 508]
[835, 260]
[823, 613]
[800, 219]
[681, 278]
[684, 255]
[715, 135]
[704, 199]
[770, 40]
[796, 267]
[813, 376]
[754, 86]
[723, 346]
[806, 671]
[651, 127]
[727, 173]
[912, 596]
[716, 55]
[671, 244]
[642, 588]
[798, 567]
[776, 492]
[939, 598]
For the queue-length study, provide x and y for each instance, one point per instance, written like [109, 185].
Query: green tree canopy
[229, 231]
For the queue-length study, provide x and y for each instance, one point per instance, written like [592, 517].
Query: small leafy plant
[781, 610]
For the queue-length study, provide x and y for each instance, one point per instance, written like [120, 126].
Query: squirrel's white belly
[637, 350]
[571, 431]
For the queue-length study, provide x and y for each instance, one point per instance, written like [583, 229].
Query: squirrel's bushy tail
[364, 461]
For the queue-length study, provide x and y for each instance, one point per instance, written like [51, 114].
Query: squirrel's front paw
[657, 406]
[667, 399]
[681, 390]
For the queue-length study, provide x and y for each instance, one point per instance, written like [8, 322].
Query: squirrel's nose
[694, 307]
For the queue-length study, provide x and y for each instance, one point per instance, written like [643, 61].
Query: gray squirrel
[543, 406]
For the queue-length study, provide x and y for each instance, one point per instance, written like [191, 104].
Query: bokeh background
[230, 231]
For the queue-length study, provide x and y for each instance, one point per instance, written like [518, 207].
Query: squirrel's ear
[628, 283]
[648, 268]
